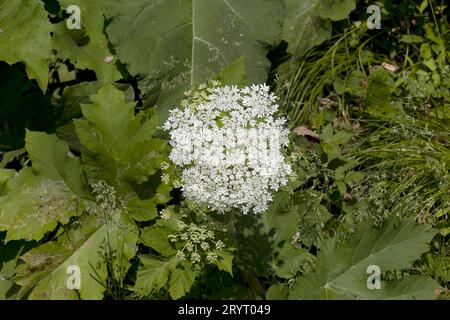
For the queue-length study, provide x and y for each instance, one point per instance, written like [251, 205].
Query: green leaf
[182, 278]
[45, 268]
[7, 272]
[225, 261]
[46, 195]
[341, 265]
[87, 48]
[332, 150]
[152, 276]
[35, 206]
[411, 38]
[281, 224]
[234, 74]
[379, 88]
[330, 142]
[430, 64]
[289, 260]
[119, 146]
[277, 292]
[327, 132]
[142, 210]
[72, 97]
[156, 237]
[340, 137]
[13, 249]
[353, 176]
[308, 22]
[5, 176]
[5, 287]
[156, 274]
[10, 156]
[337, 9]
[51, 158]
[423, 6]
[411, 287]
[69, 103]
[304, 28]
[175, 45]
[25, 37]
[269, 237]
[342, 188]
[350, 84]
[312, 217]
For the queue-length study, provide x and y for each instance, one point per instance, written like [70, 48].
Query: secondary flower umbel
[230, 147]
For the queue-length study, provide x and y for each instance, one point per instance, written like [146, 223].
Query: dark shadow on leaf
[255, 246]
[147, 189]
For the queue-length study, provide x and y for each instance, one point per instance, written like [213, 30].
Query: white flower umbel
[230, 147]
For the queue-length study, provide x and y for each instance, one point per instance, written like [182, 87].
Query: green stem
[230, 219]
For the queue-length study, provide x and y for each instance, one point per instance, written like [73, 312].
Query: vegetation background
[85, 179]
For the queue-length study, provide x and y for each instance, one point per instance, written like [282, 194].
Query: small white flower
[105, 196]
[195, 257]
[164, 165]
[204, 246]
[220, 245]
[165, 214]
[165, 178]
[180, 256]
[211, 257]
[176, 183]
[198, 242]
[181, 225]
[190, 247]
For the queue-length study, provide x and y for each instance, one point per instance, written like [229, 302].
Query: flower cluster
[199, 241]
[165, 214]
[106, 200]
[230, 147]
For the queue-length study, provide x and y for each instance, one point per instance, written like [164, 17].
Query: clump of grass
[406, 161]
[309, 87]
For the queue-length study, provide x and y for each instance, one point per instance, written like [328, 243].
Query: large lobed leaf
[25, 37]
[308, 22]
[51, 157]
[380, 86]
[157, 273]
[341, 266]
[45, 270]
[174, 45]
[45, 195]
[119, 148]
[50, 192]
[87, 48]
